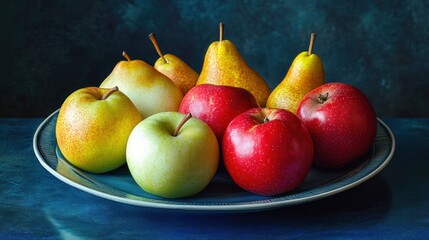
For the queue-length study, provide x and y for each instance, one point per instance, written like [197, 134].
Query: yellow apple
[93, 127]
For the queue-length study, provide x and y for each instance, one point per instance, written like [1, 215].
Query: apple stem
[184, 120]
[108, 93]
[126, 56]
[310, 48]
[322, 98]
[266, 119]
[220, 31]
[152, 38]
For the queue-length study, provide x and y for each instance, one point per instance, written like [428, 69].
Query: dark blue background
[48, 49]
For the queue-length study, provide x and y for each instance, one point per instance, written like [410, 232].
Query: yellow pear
[223, 65]
[150, 91]
[175, 68]
[305, 74]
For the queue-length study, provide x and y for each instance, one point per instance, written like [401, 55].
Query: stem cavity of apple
[220, 31]
[266, 119]
[152, 38]
[322, 98]
[126, 56]
[184, 120]
[310, 48]
[108, 93]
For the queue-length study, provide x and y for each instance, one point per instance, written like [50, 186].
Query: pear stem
[126, 56]
[152, 38]
[184, 120]
[108, 93]
[310, 48]
[220, 31]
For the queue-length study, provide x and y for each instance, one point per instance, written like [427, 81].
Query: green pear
[175, 68]
[305, 74]
[150, 91]
[223, 65]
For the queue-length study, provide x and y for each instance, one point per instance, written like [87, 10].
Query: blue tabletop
[392, 205]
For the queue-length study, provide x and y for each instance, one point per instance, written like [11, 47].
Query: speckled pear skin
[178, 71]
[223, 65]
[305, 74]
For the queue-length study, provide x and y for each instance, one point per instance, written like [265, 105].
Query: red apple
[217, 105]
[267, 151]
[341, 121]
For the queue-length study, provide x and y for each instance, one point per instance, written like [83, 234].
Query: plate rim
[232, 207]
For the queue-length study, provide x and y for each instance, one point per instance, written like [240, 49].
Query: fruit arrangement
[174, 127]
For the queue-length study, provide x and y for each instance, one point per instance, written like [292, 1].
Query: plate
[221, 195]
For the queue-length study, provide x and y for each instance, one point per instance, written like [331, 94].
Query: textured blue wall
[48, 49]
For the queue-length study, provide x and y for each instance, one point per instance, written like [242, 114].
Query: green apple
[93, 127]
[172, 155]
[150, 90]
